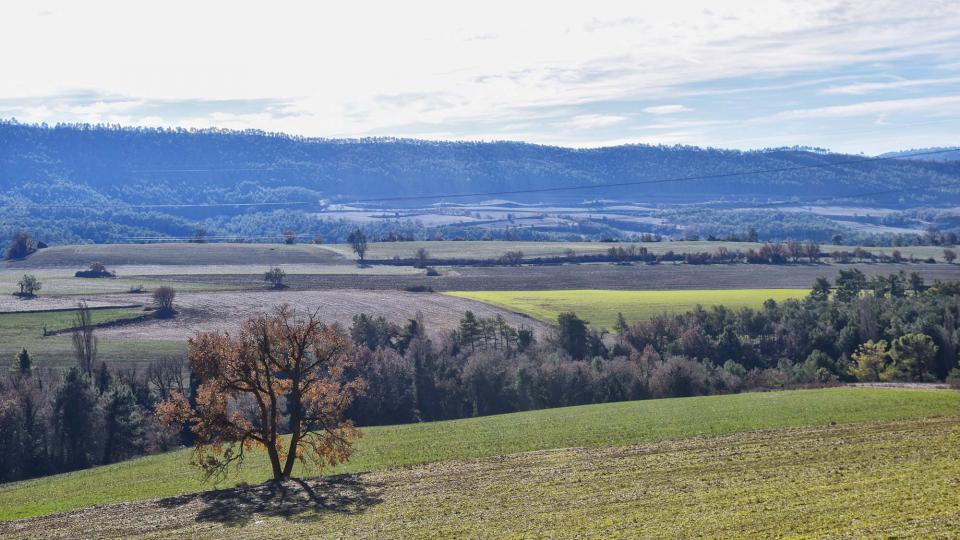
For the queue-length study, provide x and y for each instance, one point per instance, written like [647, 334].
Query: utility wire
[531, 190]
[657, 181]
[170, 205]
[844, 197]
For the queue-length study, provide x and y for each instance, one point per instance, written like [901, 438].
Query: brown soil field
[207, 311]
[80, 256]
[14, 304]
[595, 276]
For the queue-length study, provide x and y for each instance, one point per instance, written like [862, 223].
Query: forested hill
[937, 153]
[81, 183]
[97, 164]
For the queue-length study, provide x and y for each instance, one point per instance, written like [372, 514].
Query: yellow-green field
[600, 307]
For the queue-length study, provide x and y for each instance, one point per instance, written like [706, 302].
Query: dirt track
[13, 304]
[208, 311]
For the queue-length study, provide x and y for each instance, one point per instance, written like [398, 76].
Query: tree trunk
[275, 461]
[291, 455]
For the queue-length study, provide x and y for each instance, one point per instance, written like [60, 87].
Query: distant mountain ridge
[944, 153]
[97, 182]
[150, 166]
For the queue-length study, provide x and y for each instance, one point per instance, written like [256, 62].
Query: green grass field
[591, 426]
[600, 307]
[61, 282]
[19, 330]
[877, 480]
[890, 480]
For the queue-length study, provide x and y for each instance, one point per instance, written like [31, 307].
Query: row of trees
[768, 253]
[824, 338]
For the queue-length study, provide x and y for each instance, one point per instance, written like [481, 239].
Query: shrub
[96, 270]
[29, 285]
[953, 379]
[163, 301]
[419, 288]
[275, 276]
[512, 258]
[678, 376]
[21, 245]
[420, 258]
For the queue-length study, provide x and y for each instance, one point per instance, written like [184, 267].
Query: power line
[657, 181]
[170, 205]
[524, 191]
[854, 196]
[227, 169]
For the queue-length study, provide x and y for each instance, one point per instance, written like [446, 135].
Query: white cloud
[866, 88]
[589, 121]
[935, 105]
[666, 109]
[433, 67]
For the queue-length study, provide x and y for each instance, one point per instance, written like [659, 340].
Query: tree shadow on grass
[294, 499]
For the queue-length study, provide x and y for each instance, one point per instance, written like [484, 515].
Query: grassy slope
[586, 426]
[60, 282]
[18, 330]
[877, 480]
[600, 307]
[81, 255]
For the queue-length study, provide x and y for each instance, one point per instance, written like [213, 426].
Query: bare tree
[166, 376]
[421, 257]
[281, 372]
[84, 342]
[795, 249]
[163, 300]
[512, 258]
[358, 241]
[275, 276]
[29, 285]
[21, 245]
[289, 237]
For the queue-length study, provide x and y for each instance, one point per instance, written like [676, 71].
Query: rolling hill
[66, 181]
[863, 480]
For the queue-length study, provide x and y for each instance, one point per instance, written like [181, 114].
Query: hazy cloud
[866, 88]
[666, 109]
[575, 73]
[587, 121]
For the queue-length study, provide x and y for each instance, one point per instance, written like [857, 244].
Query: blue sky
[850, 76]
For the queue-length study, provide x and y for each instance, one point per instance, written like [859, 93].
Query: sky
[858, 77]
